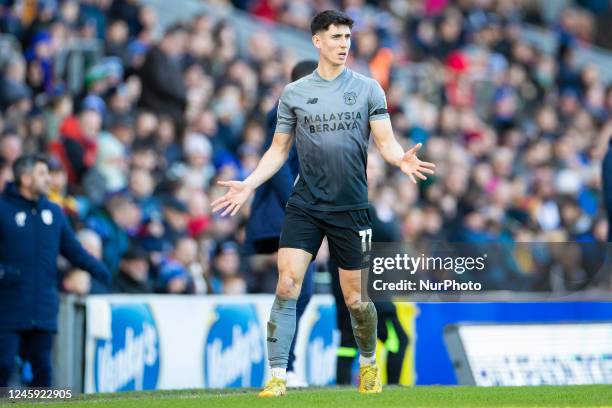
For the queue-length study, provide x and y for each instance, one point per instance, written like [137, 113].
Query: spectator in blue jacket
[33, 232]
[268, 211]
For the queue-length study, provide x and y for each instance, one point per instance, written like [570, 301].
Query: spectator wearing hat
[176, 218]
[197, 171]
[122, 127]
[40, 55]
[133, 276]
[111, 163]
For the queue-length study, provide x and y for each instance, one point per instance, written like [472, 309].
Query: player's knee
[287, 288]
[354, 303]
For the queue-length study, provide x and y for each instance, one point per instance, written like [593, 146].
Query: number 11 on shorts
[366, 239]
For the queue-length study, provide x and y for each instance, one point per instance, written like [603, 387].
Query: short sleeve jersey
[331, 121]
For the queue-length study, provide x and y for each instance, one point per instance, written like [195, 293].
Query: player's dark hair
[302, 69]
[324, 19]
[25, 164]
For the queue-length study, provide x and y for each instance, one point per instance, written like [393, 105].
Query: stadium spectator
[178, 271]
[77, 145]
[11, 146]
[133, 276]
[58, 184]
[116, 225]
[226, 270]
[176, 219]
[13, 89]
[163, 87]
[141, 188]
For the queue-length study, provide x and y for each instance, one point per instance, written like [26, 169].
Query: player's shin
[281, 329]
[364, 321]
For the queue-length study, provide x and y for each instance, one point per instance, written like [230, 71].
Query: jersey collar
[318, 77]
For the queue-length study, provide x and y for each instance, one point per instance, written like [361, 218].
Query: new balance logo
[312, 101]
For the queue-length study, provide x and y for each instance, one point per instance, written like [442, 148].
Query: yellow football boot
[275, 387]
[369, 380]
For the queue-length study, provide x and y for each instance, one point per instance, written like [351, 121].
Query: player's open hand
[413, 166]
[231, 201]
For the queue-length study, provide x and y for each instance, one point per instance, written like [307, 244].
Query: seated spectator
[176, 218]
[133, 276]
[115, 225]
[226, 270]
[58, 185]
[197, 171]
[199, 214]
[163, 86]
[92, 244]
[14, 89]
[141, 186]
[11, 146]
[77, 146]
[175, 274]
[111, 163]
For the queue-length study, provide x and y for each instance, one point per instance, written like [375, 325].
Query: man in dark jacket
[133, 276]
[163, 86]
[268, 211]
[33, 232]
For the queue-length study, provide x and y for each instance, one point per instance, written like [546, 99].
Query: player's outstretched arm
[394, 154]
[270, 163]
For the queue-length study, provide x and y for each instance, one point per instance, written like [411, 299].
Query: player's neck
[329, 72]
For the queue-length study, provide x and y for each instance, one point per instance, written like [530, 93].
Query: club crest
[350, 98]
[47, 217]
[20, 218]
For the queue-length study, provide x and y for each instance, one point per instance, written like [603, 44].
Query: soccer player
[330, 113]
[263, 229]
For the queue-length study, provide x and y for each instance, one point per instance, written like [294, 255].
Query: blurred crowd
[517, 135]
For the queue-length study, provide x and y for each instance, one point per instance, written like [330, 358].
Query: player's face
[334, 44]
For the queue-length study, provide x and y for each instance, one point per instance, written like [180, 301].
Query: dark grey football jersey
[331, 124]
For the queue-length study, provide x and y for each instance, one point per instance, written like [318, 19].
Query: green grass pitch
[338, 397]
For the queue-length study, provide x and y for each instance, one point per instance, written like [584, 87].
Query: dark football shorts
[348, 233]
